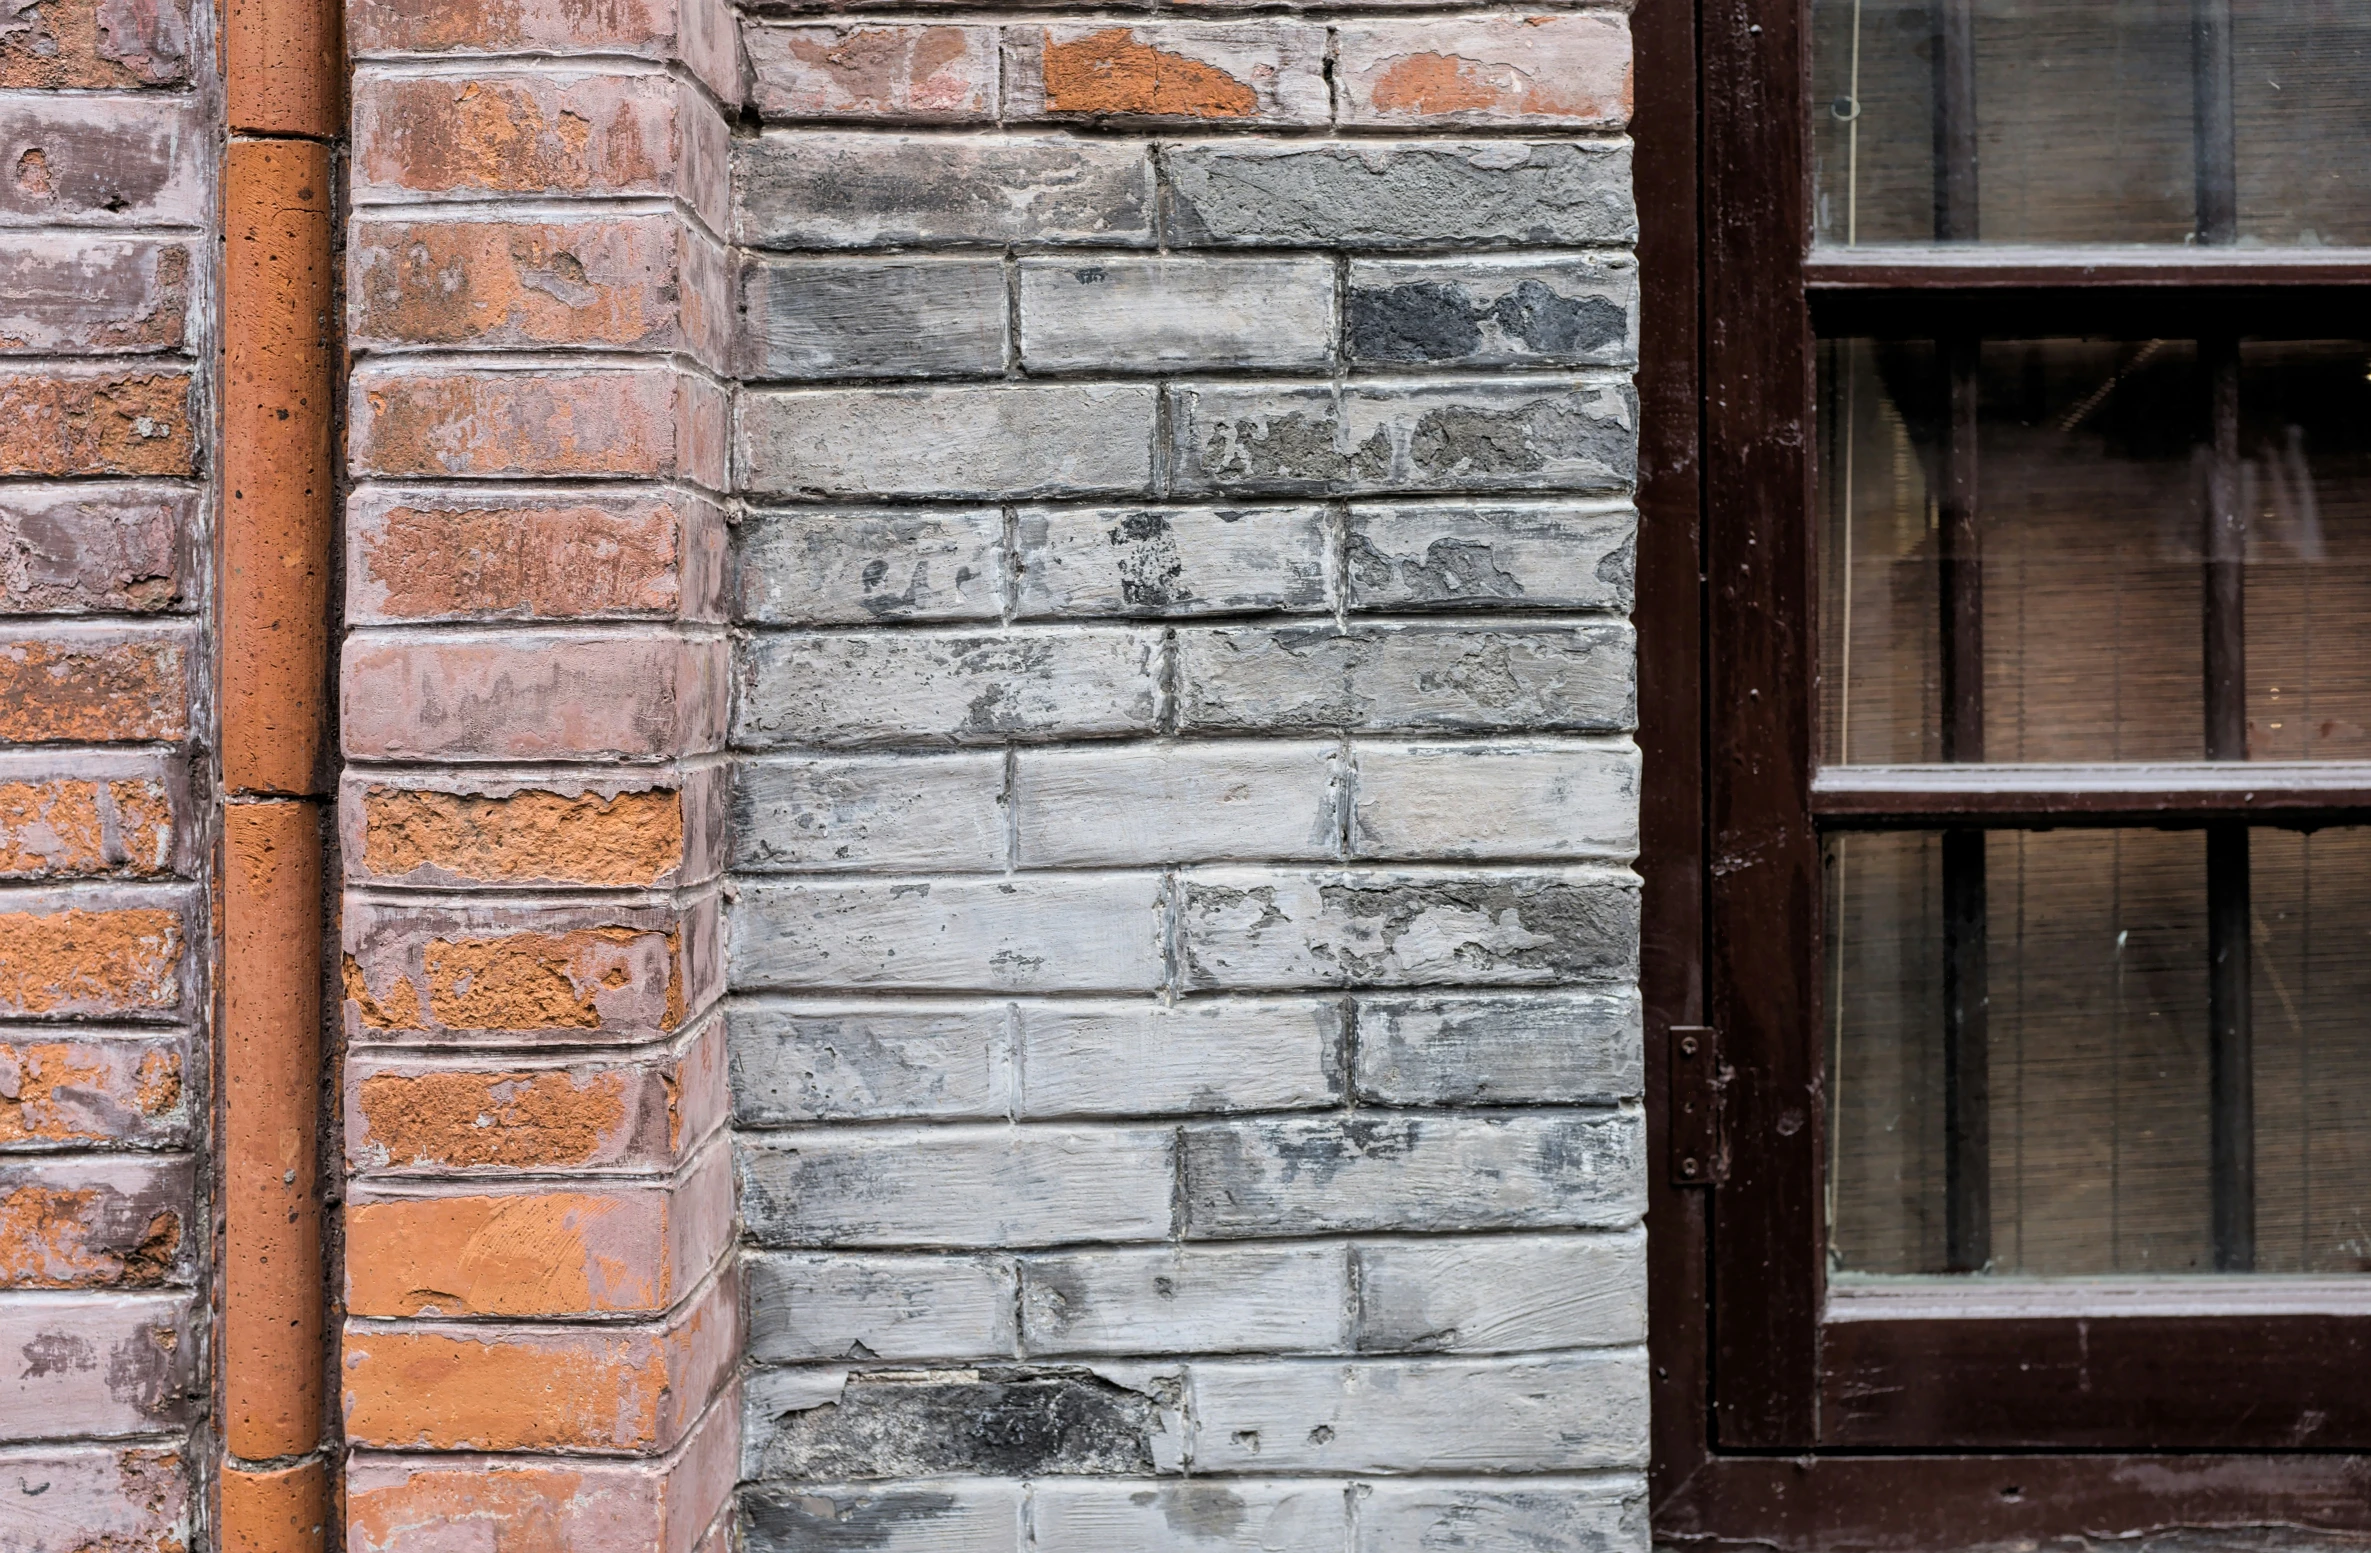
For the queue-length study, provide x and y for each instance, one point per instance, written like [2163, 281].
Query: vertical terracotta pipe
[284, 89]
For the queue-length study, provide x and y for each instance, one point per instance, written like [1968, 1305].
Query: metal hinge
[1699, 1136]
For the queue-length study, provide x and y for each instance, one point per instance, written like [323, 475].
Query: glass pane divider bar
[1974, 266]
[1933, 796]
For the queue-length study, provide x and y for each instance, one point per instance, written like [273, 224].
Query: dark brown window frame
[1771, 1428]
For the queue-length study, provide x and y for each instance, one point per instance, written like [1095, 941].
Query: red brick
[94, 685]
[65, 549]
[86, 815]
[96, 43]
[532, 555]
[96, 421]
[602, 1248]
[105, 161]
[699, 33]
[102, 952]
[1258, 72]
[64, 292]
[582, 973]
[408, 1114]
[659, 422]
[655, 829]
[597, 1388]
[911, 74]
[96, 1499]
[1567, 71]
[532, 695]
[114, 1364]
[100, 1223]
[110, 1090]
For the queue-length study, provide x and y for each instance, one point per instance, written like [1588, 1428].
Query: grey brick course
[837, 189]
[1172, 561]
[940, 689]
[1491, 555]
[1397, 195]
[1010, 440]
[1033, 933]
[1505, 312]
[852, 567]
[1152, 315]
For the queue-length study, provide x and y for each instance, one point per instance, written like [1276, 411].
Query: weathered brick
[1154, 1058]
[1245, 1515]
[657, 421]
[1527, 434]
[86, 815]
[1256, 72]
[64, 291]
[1510, 1049]
[410, 1114]
[1420, 678]
[974, 1515]
[1030, 933]
[807, 1305]
[1012, 1420]
[1176, 803]
[851, 567]
[114, 549]
[104, 161]
[97, 952]
[824, 813]
[1491, 555]
[57, 421]
[647, 282]
[100, 1368]
[1586, 1515]
[97, 43]
[446, 1386]
[1187, 1299]
[71, 1498]
[599, 1249]
[1006, 440]
[1495, 801]
[1152, 315]
[556, 131]
[846, 190]
[901, 73]
[1502, 1294]
[101, 1091]
[1566, 72]
[1171, 561]
[531, 695]
[958, 1187]
[818, 319]
[616, 830]
[97, 1223]
[700, 33]
[1246, 927]
[1562, 1414]
[1382, 195]
[799, 1063]
[916, 688]
[579, 973]
[482, 554]
[1503, 312]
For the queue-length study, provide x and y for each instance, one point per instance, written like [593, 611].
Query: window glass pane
[2096, 1018]
[2090, 472]
[2082, 122]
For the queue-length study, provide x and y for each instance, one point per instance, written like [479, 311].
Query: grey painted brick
[852, 567]
[1418, 678]
[822, 813]
[1502, 1294]
[1000, 440]
[1562, 1414]
[1148, 1058]
[933, 688]
[957, 1187]
[1244, 1515]
[796, 1064]
[967, 1515]
[1600, 1515]
[1012, 1420]
[1484, 801]
[1547, 555]
[1171, 560]
[1284, 928]
[1176, 803]
[1503, 312]
[1307, 1175]
[1030, 933]
[1510, 1049]
[1152, 315]
[807, 318]
[807, 1305]
[1530, 434]
[1386, 195]
[1181, 1299]
[834, 189]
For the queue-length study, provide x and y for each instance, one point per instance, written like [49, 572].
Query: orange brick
[1568, 71]
[125, 1090]
[94, 43]
[661, 829]
[94, 685]
[87, 816]
[657, 421]
[480, 555]
[699, 33]
[1256, 72]
[104, 953]
[84, 421]
[96, 1223]
[911, 74]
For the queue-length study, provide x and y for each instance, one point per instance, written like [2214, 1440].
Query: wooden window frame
[1773, 1425]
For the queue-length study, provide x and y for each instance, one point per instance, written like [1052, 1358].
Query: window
[2006, 583]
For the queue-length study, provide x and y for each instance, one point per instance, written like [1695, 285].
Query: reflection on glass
[2096, 1052]
[2091, 121]
[2091, 471]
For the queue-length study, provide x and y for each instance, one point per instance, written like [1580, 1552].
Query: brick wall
[1183, 1024]
[105, 312]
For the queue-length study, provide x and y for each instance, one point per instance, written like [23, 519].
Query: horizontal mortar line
[102, 1028]
[527, 359]
[1064, 1357]
[580, 628]
[597, 771]
[87, 226]
[426, 207]
[774, 1132]
[1335, 1240]
[758, 510]
[1611, 253]
[83, 1152]
[412, 64]
[671, 898]
[463, 768]
[175, 1440]
[1162, 134]
[1026, 869]
[15, 755]
[526, 487]
[870, 996]
[1174, 378]
[145, 359]
[470, 1054]
[836, 1005]
[752, 1246]
[1318, 620]
[174, 622]
[1067, 740]
[757, 498]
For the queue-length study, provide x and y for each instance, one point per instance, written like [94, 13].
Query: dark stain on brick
[818, 1523]
[1150, 565]
[999, 1422]
[1452, 570]
[1555, 325]
[1426, 320]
